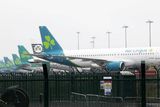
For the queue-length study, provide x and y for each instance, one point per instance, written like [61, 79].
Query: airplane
[17, 61]
[35, 65]
[9, 64]
[38, 48]
[2, 66]
[116, 59]
[21, 64]
[24, 54]
[38, 62]
[10, 67]
[15, 66]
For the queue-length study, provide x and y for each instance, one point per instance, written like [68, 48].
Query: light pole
[93, 42]
[150, 39]
[108, 34]
[78, 39]
[125, 31]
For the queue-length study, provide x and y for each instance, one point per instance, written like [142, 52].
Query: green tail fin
[23, 54]
[2, 64]
[50, 44]
[8, 62]
[16, 59]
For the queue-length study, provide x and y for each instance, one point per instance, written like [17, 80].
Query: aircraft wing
[99, 62]
[21, 66]
[37, 55]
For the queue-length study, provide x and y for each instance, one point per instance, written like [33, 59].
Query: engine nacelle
[115, 66]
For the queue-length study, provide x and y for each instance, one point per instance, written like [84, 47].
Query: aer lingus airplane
[23, 66]
[37, 48]
[116, 59]
[25, 58]
[17, 61]
[36, 63]
[11, 67]
[2, 66]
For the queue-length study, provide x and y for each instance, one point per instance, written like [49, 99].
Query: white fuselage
[129, 56]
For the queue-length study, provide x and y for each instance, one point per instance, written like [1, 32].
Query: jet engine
[115, 66]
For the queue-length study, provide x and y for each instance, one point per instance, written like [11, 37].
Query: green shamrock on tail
[17, 61]
[48, 42]
[24, 54]
[1, 65]
[9, 64]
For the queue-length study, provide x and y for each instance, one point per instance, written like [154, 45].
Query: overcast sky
[20, 19]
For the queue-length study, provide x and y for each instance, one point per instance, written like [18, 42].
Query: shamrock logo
[24, 54]
[1, 65]
[9, 64]
[17, 61]
[48, 43]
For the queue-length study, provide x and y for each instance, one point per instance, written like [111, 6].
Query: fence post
[157, 70]
[45, 74]
[158, 82]
[72, 82]
[143, 84]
